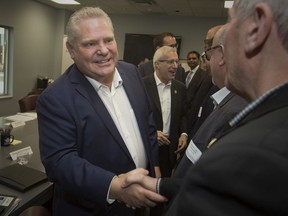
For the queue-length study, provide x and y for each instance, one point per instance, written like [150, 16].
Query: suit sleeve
[169, 187]
[60, 152]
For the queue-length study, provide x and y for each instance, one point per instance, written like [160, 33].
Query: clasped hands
[136, 189]
[163, 140]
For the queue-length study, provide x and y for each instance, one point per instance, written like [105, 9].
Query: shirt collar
[220, 95]
[254, 104]
[116, 82]
[158, 81]
[195, 69]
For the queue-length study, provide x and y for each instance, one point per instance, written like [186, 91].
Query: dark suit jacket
[178, 117]
[80, 145]
[147, 69]
[212, 127]
[206, 108]
[196, 93]
[246, 171]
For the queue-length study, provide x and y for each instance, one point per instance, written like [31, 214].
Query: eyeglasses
[170, 62]
[209, 50]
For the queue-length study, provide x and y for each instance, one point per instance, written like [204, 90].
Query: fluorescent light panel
[228, 4]
[67, 2]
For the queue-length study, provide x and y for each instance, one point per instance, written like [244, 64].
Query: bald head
[210, 35]
[219, 36]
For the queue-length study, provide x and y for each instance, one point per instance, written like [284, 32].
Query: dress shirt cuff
[185, 134]
[158, 185]
[110, 201]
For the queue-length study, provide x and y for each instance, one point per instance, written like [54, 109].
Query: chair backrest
[28, 103]
[36, 211]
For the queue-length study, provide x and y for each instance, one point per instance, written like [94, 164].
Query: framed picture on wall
[139, 47]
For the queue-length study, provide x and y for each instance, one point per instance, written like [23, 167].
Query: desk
[40, 194]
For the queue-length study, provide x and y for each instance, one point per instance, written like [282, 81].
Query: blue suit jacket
[80, 145]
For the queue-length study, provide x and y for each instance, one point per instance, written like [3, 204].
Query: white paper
[21, 117]
[27, 150]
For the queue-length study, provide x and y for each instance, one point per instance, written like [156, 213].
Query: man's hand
[143, 180]
[134, 195]
[182, 143]
[162, 138]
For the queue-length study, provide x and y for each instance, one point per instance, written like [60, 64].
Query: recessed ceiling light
[67, 2]
[228, 4]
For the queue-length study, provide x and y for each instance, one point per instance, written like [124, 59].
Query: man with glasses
[199, 104]
[162, 39]
[167, 97]
[245, 172]
[227, 104]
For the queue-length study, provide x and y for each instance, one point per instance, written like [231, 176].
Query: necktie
[188, 78]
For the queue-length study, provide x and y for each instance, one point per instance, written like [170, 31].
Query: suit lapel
[83, 86]
[196, 81]
[226, 99]
[174, 99]
[154, 95]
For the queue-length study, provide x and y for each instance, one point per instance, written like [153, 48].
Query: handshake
[136, 189]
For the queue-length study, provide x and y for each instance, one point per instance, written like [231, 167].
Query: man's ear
[70, 49]
[222, 59]
[258, 28]
[156, 64]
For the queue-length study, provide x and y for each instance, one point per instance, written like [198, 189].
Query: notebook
[21, 178]
[7, 204]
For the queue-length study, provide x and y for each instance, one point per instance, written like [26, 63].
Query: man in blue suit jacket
[95, 125]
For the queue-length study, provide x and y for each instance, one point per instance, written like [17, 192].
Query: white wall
[37, 45]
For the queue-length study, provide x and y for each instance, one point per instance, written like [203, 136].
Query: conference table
[41, 193]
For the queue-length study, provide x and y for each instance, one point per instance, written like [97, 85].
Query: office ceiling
[190, 8]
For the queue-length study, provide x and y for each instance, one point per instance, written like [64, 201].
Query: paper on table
[20, 117]
[31, 114]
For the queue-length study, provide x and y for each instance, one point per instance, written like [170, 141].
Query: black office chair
[36, 211]
[28, 103]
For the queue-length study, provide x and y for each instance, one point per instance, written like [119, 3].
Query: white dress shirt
[218, 96]
[119, 108]
[164, 92]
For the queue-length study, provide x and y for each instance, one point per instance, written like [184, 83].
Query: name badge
[27, 150]
[192, 152]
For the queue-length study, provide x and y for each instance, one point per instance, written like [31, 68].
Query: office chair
[36, 211]
[28, 103]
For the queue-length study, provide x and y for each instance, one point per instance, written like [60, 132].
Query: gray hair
[244, 8]
[84, 13]
[161, 51]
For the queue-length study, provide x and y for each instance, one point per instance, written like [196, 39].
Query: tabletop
[39, 194]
